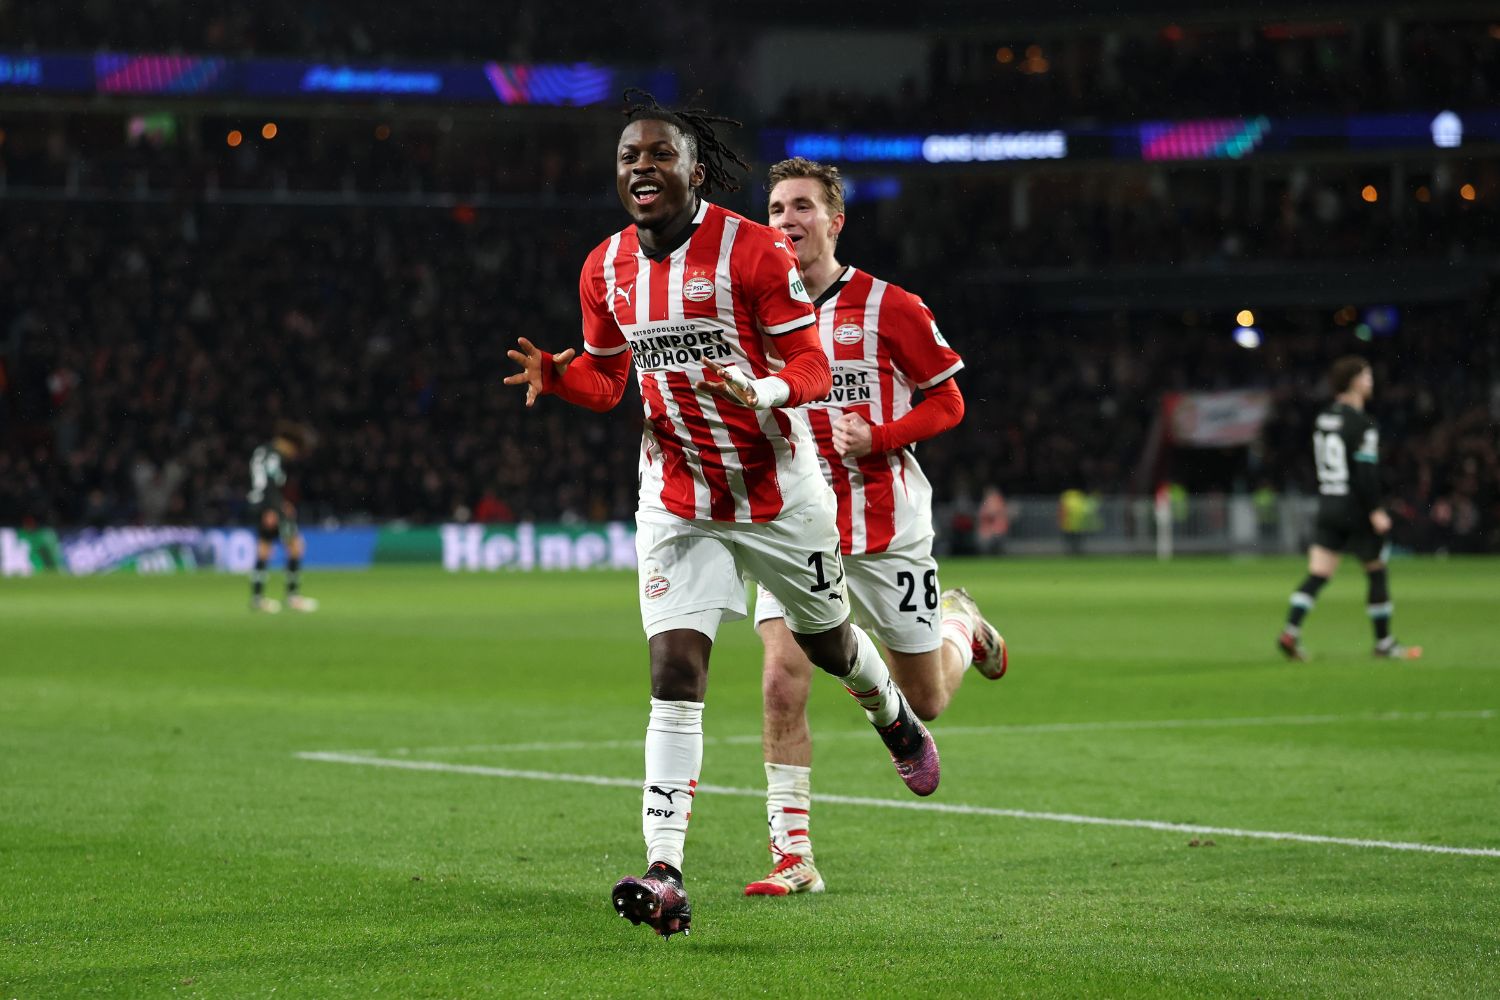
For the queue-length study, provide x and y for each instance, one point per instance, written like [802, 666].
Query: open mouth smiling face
[798, 211]
[655, 172]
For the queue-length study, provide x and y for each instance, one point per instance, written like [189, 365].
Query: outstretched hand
[531, 358]
[728, 384]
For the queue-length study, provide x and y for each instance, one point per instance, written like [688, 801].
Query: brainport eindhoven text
[668, 346]
[849, 386]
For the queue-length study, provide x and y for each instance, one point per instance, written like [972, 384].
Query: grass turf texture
[158, 835]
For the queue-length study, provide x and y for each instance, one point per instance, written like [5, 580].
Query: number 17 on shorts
[799, 563]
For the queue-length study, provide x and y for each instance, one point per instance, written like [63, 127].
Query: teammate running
[1346, 445]
[884, 346]
[275, 517]
[711, 308]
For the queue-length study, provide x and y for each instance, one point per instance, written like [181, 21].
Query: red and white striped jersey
[883, 344]
[724, 296]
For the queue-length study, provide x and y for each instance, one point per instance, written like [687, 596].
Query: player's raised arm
[806, 376]
[595, 381]
[784, 312]
[534, 364]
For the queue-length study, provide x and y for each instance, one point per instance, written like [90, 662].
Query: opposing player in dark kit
[1346, 449]
[275, 517]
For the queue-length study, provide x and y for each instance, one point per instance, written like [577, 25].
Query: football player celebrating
[884, 347]
[275, 517]
[711, 309]
[1346, 448]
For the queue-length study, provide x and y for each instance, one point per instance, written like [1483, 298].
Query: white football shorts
[687, 568]
[895, 595]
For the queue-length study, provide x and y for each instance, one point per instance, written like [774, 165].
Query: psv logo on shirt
[699, 287]
[848, 333]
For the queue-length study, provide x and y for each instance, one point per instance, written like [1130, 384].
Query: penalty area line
[956, 809]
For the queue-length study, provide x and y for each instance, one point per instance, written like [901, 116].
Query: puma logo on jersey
[662, 792]
[623, 291]
[925, 621]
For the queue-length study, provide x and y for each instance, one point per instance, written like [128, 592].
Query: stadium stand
[165, 294]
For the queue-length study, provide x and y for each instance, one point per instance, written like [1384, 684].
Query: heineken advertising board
[456, 547]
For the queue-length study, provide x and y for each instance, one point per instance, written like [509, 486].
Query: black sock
[1379, 604]
[293, 576]
[258, 579]
[1303, 599]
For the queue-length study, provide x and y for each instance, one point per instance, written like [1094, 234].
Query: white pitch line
[942, 731]
[937, 807]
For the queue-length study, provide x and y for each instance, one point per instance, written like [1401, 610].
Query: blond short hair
[826, 175]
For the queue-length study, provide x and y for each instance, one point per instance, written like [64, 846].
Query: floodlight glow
[1247, 337]
[1447, 131]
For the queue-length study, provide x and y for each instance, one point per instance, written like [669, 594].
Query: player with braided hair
[710, 309]
[697, 128]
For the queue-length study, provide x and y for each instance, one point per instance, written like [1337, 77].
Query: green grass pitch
[160, 836]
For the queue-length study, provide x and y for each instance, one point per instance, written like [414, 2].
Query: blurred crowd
[1357, 65]
[147, 349]
[1165, 214]
[1186, 216]
[160, 345]
[1135, 64]
[172, 284]
[1073, 402]
[201, 157]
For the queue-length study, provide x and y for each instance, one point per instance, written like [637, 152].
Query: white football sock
[870, 682]
[958, 628]
[674, 756]
[788, 801]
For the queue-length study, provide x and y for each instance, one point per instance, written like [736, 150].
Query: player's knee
[833, 651]
[679, 666]
[824, 649]
[1378, 566]
[678, 679]
[782, 691]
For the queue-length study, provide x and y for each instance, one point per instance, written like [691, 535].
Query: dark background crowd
[165, 298]
[1029, 63]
